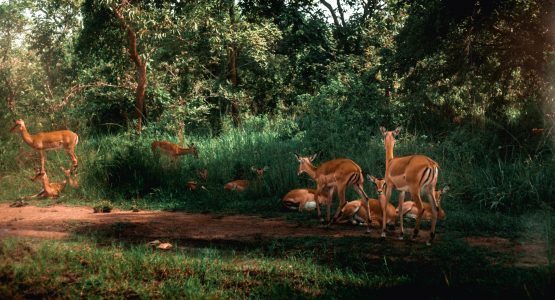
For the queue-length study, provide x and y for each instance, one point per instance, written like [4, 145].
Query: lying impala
[303, 199]
[334, 175]
[50, 190]
[70, 179]
[193, 185]
[242, 184]
[48, 141]
[355, 211]
[410, 210]
[172, 150]
[413, 174]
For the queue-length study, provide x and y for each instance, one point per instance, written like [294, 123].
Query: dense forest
[252, 82]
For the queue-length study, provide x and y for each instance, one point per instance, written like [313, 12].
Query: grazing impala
[334, 175]
[50, 190]
[172, 150]
[413, 174]
[355, 211]
[70, 179]
[303, 199]
[242, 184]
[49, 140]
[410, 210]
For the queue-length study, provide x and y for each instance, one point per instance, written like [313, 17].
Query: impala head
[389, 136]
[194, 150]
[191, 185]
[305, 162]
[203, 174]
[19, 125]
[380, 184]
[67, 172]
[259, 171]
[39, 175]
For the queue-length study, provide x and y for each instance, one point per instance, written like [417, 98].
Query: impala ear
[397, 130]
[298, 157]
[253, 169]
[313, 157]
[371, 178]
[445, 189]
[265, 168]
[383, 130]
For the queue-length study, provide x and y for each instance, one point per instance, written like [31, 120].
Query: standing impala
[172, 150]
[413, 174]
[334, 175]
[49, 140]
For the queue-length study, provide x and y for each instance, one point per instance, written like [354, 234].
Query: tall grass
[122, 168]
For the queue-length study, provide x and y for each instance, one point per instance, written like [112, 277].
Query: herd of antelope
[412, 173]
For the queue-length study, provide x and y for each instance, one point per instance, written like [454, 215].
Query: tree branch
[332, 11]
[341, 13]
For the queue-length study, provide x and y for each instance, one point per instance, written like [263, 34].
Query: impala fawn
[193, 185]
[355, 211]
[303, 199]
[411, 210]
[49, 189]
[70, 179]
[242, 184]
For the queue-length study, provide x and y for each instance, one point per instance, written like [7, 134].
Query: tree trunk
[232, 70]
[140, 66]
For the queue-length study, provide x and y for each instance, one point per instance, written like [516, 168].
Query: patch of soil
[60, 222]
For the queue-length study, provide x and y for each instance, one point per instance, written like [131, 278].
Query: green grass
[489, 196]
[267, 268]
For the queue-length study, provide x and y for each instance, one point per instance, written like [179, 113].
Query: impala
[355, 211]
[334, 175]
[413, 174]
[50, 190]
[70, 179]
[42, 141]
[192, 185]
[172, 150]
[242, 184]
[410, 210]
[303, 199]
[203, 174]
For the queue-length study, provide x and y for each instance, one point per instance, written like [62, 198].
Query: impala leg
[71, 153]
[342, 202]
[400, 209]
[317, 200]
[383, 205]
[361, 193]
[432, 199]
[41, 154]
[418, 201]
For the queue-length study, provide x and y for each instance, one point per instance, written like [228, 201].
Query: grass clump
[104, 206]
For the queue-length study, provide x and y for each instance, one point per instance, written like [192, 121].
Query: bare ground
[61, 222]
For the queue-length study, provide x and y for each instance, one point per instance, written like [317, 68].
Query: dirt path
[60, 222]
